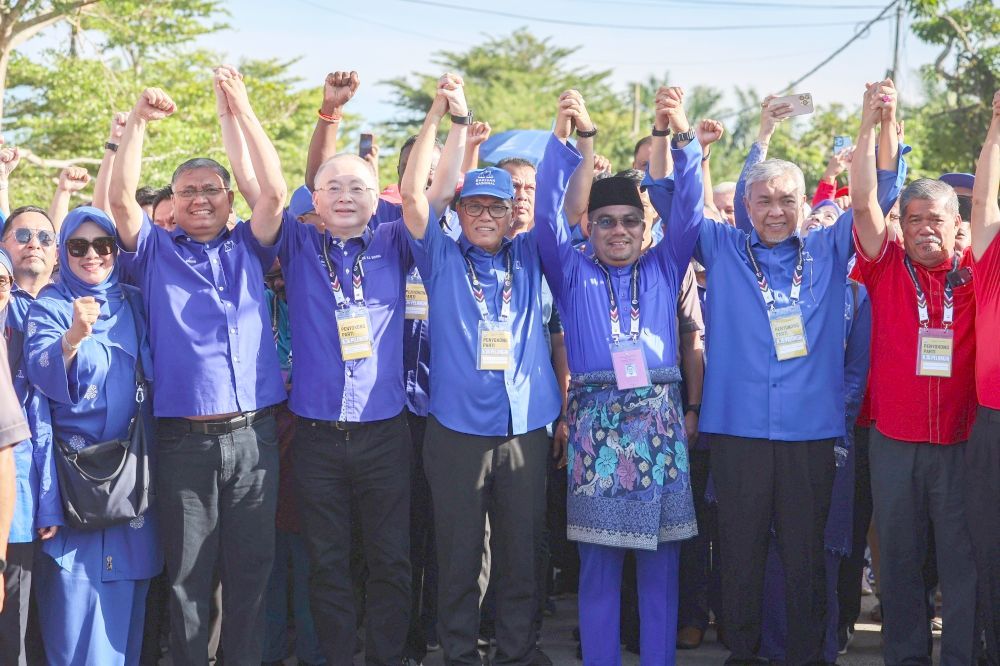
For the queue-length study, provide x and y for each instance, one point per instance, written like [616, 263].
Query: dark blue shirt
[213, 350]
[325, 386]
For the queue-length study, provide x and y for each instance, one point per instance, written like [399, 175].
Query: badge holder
[629, 362]
[416, 298]
[495, 346]
[788, 332]
[355, 331]
[935, 349]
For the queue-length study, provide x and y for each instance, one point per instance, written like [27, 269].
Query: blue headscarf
[6, 262]
[108, 293]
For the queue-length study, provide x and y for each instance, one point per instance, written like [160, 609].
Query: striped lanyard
[480, 296]
[613, 313]
[357, 274]
[949, 296]
[765, 288]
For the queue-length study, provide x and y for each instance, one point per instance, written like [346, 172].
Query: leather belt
[223, 427]
[343, 426]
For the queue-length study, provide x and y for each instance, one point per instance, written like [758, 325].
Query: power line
[617, 26]
[733, 3]
[387, 26]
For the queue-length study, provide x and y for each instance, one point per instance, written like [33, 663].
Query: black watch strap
[113, 147]
[657, 132]
[462, 120]
[693, 408]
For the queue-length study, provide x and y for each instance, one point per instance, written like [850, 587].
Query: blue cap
[301, 203]
[490, 182]
[958, 179]
[829, 203]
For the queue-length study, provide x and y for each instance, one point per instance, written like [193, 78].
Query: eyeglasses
[354, 191]
[24, 236]
[607, 222]
[497, 210]
[6, 282]
[78, 247]
[207, 192]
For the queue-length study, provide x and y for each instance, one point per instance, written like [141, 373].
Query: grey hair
[201, 163]
[929, 189]
[767, 170]
[724, 188]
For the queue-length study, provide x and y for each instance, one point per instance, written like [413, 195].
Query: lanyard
[477, 288]
[765, 288]
[357, 273]
[949, 296]
[613, 314]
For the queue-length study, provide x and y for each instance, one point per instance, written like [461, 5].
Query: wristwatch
[657, 132]
[586, 134]
[684, 136]
[693, 408]
[462, 120]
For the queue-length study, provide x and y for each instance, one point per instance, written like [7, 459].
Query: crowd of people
[386, 416]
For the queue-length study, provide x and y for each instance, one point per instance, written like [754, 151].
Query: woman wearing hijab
[82, 348]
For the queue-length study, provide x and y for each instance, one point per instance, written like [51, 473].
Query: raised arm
[687, 210]
[232, 138]
[71, 181]
[479, 132]
[416, 207]
[9, 159]
[985, 211]
[338, 89]
[869, 222]
[573, 111]
[153, 104]
[103, 181]
[448, 172]
[660, 162]
[827, 185]
[888, 138]
[771, 115]
[708, 132]
[265, 218]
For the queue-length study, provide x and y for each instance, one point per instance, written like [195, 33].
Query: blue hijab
[9, 265]
[116, 325]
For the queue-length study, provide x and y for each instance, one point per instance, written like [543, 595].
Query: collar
[365, 238]
[468, 248]
[944, 266]
[179, 234]
[755, 240]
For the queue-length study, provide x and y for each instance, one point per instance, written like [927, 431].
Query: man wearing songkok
[982, 453]
[628, 461]
[493, 392]
[217, 377]
[923, 402]
[776, 342]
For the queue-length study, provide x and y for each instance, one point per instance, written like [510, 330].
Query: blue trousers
[290, 547]
[600, 603]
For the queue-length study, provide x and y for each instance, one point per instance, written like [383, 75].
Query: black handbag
[108, 483]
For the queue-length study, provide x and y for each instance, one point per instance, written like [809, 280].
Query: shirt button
[221, 287]
[232, 330]
[236, 358]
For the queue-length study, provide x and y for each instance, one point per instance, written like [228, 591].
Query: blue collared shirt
[213, 349]
[486, 402]
[579, 283]
[325, 386]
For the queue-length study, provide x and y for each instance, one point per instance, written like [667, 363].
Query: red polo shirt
[988, 326]
[906, 406]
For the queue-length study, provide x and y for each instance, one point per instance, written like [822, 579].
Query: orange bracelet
[329, 118]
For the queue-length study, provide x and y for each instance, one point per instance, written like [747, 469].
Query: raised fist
[670, 109]
[86, 311]
[452, 88]
[73, 179]
[479, 132]
[9, 159]
[573, 110]
[601, 164]
[996, 104]
[154, 104]
[708, 132]
[218, 74]
[884, 98]
[117, 130]
[338, 89]
[236, 93]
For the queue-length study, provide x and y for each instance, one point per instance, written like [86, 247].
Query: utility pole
[895, 49]
[636, 103]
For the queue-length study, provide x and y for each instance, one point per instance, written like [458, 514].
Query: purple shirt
[325, 386]
[209, 329]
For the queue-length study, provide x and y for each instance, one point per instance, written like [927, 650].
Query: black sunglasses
[78, 247]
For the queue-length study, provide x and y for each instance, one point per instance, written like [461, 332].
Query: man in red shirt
[923, 404]
[982, 454]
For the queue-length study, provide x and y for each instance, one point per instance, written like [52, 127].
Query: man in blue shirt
[492, 394]
[217, 377]
[777, 325]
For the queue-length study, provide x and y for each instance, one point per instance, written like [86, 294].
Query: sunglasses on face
[608, 222]
[24, 236]
[78, 247]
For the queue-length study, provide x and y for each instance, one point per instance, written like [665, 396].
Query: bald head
[346, 164]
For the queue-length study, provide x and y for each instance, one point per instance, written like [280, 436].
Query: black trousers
[916, 487]
[853, 566]
[470, 475]
[700, 562]
[982, 502]
[369, 465]
[760, 482]
[423, 561]
[17, 592]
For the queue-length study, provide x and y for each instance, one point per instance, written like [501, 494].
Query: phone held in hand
[841, 143]
[802, 103]
[365, 145]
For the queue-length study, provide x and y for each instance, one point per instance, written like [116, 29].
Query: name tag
[629, 363]
[935, 348]
[416, 299]
[789, 332]
[496, 345]
[354, 328]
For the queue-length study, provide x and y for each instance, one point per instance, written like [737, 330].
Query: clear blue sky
[385, 38]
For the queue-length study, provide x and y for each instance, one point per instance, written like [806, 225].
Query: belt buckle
[215, 428]
[341, 426]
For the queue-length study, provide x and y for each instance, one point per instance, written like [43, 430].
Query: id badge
[496, 345]
[354, 328]
[416, 298]
[935, 348]
[789, 332]
[629, 363]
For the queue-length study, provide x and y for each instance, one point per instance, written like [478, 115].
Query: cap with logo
[489, 182]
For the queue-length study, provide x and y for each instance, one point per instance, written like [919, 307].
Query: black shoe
[539, 658]
[845, 635]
